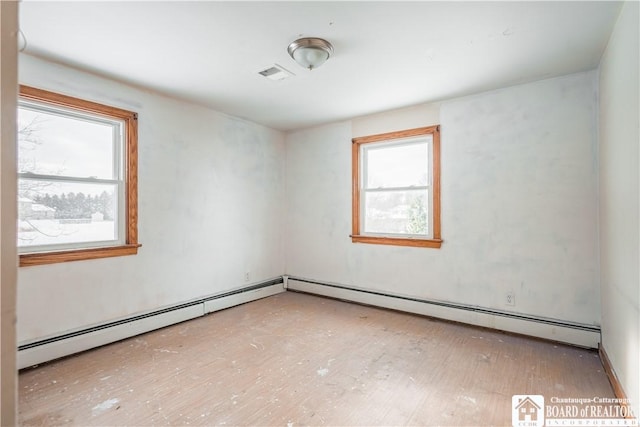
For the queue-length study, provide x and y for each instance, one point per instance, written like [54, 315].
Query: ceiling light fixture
[310, 52]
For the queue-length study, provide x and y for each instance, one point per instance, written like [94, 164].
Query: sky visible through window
[397, 166]
[64, 146]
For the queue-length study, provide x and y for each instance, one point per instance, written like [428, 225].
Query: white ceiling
[387, 54]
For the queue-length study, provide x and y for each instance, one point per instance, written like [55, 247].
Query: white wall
[211, 191]
[519, 205]
[402, 118]
[619, 198]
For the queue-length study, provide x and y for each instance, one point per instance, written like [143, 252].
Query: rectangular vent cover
[276, 73]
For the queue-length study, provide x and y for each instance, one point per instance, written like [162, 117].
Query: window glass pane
[51, 212]
[50, 144]
[396, 212]
[397, 166]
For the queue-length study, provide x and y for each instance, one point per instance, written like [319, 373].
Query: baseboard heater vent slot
[51, 348]
[552, 329]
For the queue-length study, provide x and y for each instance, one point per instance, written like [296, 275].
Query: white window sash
[119, 160]
[364, 190]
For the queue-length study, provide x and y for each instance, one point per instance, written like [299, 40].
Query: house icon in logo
[528, 410]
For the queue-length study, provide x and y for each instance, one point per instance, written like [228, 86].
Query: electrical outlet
[510, 298]
[247, 276]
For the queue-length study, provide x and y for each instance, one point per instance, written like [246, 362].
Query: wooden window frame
[130, 120]
[357, 237]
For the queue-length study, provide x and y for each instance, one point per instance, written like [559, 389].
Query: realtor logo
[527, 410]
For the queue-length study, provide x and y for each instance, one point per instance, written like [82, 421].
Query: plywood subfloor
[296, 359]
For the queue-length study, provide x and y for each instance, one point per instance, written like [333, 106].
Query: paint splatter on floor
[101, 407]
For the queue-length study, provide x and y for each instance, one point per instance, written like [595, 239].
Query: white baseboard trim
[550, 329]
[44, 350]
[237, 299]
[75, 344]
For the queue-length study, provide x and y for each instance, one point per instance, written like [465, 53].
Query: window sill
[398, 241]
[42, 258]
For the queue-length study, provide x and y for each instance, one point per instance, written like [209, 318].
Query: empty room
[320, 213]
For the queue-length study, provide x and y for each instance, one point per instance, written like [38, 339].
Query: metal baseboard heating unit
[43, 350]
[551, 329]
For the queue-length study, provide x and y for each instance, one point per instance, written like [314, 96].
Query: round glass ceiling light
[310, 52]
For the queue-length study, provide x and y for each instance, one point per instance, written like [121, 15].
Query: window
[77, 179]
[396, 188]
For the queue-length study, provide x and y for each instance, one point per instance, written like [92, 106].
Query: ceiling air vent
[276, 72]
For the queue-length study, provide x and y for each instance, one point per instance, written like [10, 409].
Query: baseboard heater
[46, 349]
[43, 350]
[551, 329]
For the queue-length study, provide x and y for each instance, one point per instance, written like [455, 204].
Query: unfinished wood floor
[296, 359]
